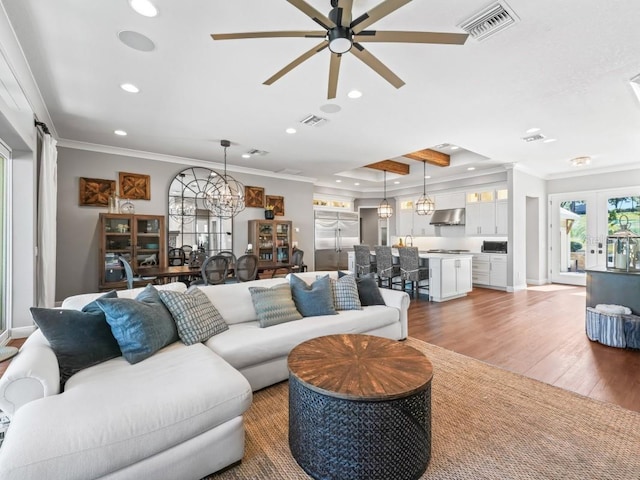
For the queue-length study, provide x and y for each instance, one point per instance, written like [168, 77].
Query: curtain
[47, 207]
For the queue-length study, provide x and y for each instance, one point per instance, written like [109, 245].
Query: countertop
[617, 272]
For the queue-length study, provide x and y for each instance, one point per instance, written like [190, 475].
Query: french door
[579, 226]
[5, 298]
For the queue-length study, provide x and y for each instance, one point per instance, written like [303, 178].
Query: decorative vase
[268, 215]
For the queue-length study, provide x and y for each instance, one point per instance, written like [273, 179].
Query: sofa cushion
[246, 344]
[274, 305]
[196, 318]
[77, 302]
[233, 300]
[79, 339]
[141, 326]
[170, 398]
[345, 293]
[315, 299]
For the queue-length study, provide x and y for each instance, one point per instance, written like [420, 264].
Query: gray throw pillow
[312, 300]
[79, 339]
[197, 319]
[345, 293]
[274, 305]
[368, 290]
[142, 326]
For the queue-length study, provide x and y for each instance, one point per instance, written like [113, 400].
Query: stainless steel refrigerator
[335, 235]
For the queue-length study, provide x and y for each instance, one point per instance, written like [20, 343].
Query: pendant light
[425, 204]
[384, 209]
[224, 196]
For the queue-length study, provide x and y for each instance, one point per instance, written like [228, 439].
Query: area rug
[487, 423]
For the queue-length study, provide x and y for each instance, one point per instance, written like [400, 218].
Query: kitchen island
[613, 287]
[449, 273]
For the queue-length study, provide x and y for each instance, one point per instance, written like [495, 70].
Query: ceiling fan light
[339, 40]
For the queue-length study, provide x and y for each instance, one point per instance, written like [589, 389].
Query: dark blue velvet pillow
[312, 300]
[368, 290]
[142, 326]
[79, 339]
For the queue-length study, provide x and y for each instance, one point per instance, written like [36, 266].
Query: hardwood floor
[539, 333]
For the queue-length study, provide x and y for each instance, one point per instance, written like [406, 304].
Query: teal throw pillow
[197, 319]
[312, 300]
[274, 305]
[78, 338]
[142, 326]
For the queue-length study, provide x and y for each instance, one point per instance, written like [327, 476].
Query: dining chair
[214, 271]
[246, 268]
[412, 271]
[229, 254]
[130, 275]
[386, 269]
[297, 261]
[364, 264]
[176, 257]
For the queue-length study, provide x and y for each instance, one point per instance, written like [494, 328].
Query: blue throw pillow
[141, 326]
[315, 299]
[79, 339]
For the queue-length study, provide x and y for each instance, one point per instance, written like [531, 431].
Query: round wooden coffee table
[360, 408]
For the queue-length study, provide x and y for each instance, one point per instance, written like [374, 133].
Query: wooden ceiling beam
[390, 166]
[430, 156]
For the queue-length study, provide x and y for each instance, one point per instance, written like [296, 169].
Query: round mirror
[190, 222]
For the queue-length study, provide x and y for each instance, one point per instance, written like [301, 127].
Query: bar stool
[386, 268]
[364, 265]
[412, 271]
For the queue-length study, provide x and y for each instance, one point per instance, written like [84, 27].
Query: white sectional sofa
[177, 414]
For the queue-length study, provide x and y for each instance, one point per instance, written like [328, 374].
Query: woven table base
[334, 438]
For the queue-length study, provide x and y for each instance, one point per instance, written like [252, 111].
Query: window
[623, 211]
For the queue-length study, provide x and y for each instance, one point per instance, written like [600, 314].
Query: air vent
[289, 171]
[313, 121]
[489, 21]
[533, 138]
[255, 151]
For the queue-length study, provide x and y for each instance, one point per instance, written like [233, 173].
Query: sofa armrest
[32, 374]
[399, 300]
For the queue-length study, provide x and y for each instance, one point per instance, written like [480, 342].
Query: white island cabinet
[450, 277]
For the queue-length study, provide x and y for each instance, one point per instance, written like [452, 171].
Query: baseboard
[530, 281]
[22, 332]
[517, 288]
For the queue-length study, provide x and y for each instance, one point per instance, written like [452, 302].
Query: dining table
[176, 272]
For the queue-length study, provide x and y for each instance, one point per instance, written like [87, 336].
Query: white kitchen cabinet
[450, 277]
[450, 200]
[421, 226]
[502, 218]
[490, 270]
[480, 219]
[408, 222]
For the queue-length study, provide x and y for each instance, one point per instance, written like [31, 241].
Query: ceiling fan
[341, 35]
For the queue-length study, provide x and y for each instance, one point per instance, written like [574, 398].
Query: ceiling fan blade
[411, 37]
[376, 13]
[334, 70]
[314, 14]
[305, 56]
[375, 64]
[298, 33]
[347, 7]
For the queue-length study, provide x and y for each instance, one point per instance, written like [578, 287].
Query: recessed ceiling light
[122, 133]
[144, 7]
[246, 155]
[471, 168]
[580, 161]
[453, 147]
[290, 130]
[357, 183]
[427, 176]
[330, 108]
[533, 130]
[396, 182]
[338, 181]
[129, 87]
[136, 40]
[549, 140]
[354, 94]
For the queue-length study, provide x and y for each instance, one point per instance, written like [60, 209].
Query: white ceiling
[564, 68]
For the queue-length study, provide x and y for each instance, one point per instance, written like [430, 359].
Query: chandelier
[224, 196]
[425, 204]
[182, 209]
[384, 209]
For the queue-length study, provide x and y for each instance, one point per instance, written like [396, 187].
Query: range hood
[448, 216]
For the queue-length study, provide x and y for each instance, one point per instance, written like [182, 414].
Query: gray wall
[78, 235]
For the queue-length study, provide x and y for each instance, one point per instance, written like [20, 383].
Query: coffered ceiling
[563, 68]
